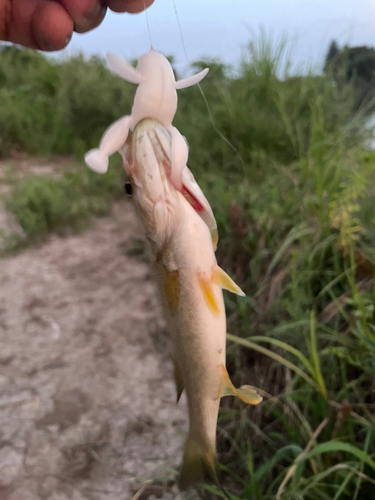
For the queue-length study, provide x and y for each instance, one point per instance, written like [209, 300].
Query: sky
[222, 29]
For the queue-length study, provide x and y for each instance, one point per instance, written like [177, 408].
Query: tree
[356, 66]
[333, 50]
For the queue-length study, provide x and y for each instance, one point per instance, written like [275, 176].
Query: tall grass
[294, 205]
[297, 227]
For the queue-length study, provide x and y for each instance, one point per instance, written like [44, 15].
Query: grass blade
[331, 446]
[315, 357]
[276, 357]
[286, 347]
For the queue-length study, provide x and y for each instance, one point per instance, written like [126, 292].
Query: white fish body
[199, 339]
[191, 285]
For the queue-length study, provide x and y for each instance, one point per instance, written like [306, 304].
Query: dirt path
[87, 401]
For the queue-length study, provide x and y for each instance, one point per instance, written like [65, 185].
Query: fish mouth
[184, 189]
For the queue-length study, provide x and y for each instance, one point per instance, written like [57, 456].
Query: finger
[52, 26]
[19, 24]
[15, 21]
[131, 6]
[86, 14]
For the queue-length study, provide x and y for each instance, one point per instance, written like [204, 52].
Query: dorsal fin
[172, 290]
[179, 381]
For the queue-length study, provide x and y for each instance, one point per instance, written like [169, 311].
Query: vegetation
[56, 108]
[292, 189]
[44, 204]
[357, 66]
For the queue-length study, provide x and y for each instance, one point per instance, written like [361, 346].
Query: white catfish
[156, 97]
[191, 285]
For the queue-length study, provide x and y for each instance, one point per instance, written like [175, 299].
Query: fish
[182, 244]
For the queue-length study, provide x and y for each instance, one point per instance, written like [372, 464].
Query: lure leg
[179, 156]
[113, 139]
[191, 80]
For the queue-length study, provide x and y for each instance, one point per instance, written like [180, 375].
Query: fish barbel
[191, 282]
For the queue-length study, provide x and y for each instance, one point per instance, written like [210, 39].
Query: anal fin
[225, 281]
[246, 393]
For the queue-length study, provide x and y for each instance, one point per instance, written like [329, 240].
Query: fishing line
[201, 90]
[148, 24]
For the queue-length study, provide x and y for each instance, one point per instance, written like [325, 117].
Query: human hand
[49, 24]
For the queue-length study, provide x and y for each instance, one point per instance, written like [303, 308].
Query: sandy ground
[87, 399]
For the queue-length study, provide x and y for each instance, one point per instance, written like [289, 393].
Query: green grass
[62, 108]
[43, 204]
[297, 230]
[294, 202]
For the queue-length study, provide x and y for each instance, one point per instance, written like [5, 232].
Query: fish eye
[128, 188]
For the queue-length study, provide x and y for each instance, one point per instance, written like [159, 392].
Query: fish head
[147, 161]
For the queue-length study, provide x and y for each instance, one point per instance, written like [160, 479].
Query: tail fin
[97, 161]
[198, 465]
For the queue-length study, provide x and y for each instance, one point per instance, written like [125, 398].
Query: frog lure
[156, 97]
[182, 233]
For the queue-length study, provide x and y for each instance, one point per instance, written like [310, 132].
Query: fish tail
[199, 465]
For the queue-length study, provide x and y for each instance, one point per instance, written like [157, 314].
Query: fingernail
[92, 19]
[67, 39]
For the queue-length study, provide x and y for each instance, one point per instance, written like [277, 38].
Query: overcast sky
[221, 28]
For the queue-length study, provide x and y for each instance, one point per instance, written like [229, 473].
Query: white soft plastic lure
[191, 285]
[156, 97]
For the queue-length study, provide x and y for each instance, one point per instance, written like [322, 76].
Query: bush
[45, 205]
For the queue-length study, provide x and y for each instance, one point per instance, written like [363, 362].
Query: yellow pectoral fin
[172, 290]
[178, 379]
[225, 281]
[246, 393]
[208, 293]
